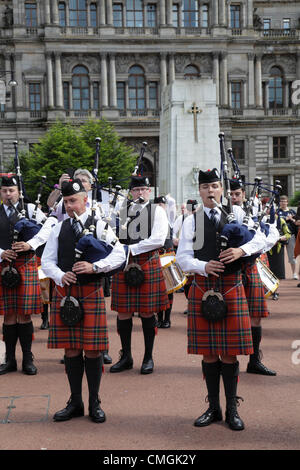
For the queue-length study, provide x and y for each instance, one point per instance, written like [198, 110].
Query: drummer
[254, 290]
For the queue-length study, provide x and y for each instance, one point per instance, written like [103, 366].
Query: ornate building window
[175, 15]
[235, 16]
[66, 95]
[93, 15]
[80, 89]
[204, 16]
[78, 13]
[190, 13]
[121, 103]
[191, 72]
[151, 15]
[276, 88]
[280, 147]
[31, 14]
[153, 95]
[134, 14]
[62, 13]
[238, 150]
[136, 88]
[236, 95]
[96, 105]
[35, 96]
[118, 15]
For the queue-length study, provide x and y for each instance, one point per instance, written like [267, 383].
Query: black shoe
[259, 368]
[166, 324]
[159, 324]
[28, 367]
[275, 296]
[185, 312]
[96, 413]
[9, 366]
[210, 416]
[124, 363]
[232, 417]
[106, 358]
[72, 410]
[147, 367]
[45, 324]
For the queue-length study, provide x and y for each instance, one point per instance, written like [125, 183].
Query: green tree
[65, 146]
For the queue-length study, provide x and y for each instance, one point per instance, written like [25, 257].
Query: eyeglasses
[139, 189]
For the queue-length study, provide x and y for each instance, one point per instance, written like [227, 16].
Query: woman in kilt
[89, 334]
[144, 230]
[222, 341]
[20, 302]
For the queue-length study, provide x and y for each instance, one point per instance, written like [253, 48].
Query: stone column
[55, 12]
[104, 90]
[215, 13]
[19, 79]
[49, 80]
[224, 81]
[250, 14]
[109, 12]
[244, 94]
[102, 13]
[9, 104]
[47, 12]
[216, 76]
[112, 81]
[162, 13]
[258, 82]
[251, 101]
[171, 68]
[169, 13]
[222, 12]
[163, 70]
[58, 81]
[286, 89]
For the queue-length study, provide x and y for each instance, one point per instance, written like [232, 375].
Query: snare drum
[269, 280]
[45, 286]
[173, 274]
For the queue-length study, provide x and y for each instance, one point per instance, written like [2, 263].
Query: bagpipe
[24, 228]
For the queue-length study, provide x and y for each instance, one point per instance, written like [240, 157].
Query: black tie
[76, 227]
[213, 217]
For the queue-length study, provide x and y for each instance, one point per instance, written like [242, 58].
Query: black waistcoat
[212, 243]
[66, 251]
[139, 226]
[7, 227]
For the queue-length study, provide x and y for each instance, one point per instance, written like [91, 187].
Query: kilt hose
[255, 292]
[26, 298]
[90, 333]
[150, 297]
[231, 336]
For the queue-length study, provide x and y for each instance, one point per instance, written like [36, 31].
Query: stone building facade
[76, 59]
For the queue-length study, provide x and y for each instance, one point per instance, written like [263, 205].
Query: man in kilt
[219, 342]
[89, 334]
[255, 292]
[144, 228]
[20, 302]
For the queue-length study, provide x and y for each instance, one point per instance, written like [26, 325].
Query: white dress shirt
[185, 252]
[41, 237]
[50, 256]
[158, 235]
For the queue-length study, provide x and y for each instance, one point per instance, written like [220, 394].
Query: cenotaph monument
[189, 129]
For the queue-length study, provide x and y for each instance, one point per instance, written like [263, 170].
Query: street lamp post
[4, 94]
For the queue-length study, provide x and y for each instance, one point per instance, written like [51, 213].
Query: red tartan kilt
[89, 334]
[255, 292]
[264, 258]
[150, 297]
[231, 336]
[25, 299]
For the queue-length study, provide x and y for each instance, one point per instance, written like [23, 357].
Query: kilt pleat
[150, 297]
[255, 292]
[89, 334]
[26, 298]
[231, 336]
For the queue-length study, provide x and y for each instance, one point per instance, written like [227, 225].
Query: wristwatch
[95, 268]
